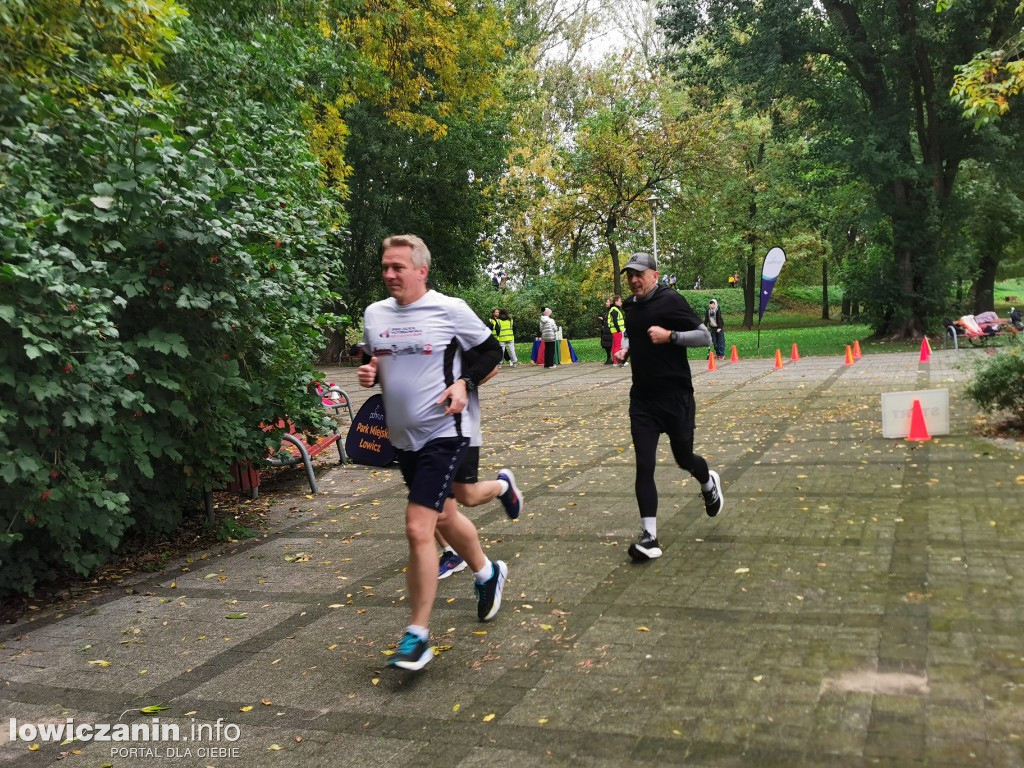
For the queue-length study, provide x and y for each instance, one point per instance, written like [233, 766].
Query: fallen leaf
[274, 748]
[488, 718]
[266, 702]
[235, 616]
[247, 708]
[643, 629]
[99, 663]
[152, 709]
[742, 570]
[758, 678]
[456, 708]
[33, 747]
[376, 681]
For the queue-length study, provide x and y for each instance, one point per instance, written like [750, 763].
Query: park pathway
[858, 604]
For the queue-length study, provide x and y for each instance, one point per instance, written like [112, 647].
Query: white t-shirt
[419, 355]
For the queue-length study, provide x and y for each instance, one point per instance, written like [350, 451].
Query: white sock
[504, 486]
[708, 485]
[650, 525]
[421, 632]
[485, 573]
[448, 548]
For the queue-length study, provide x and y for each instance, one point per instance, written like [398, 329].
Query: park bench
[298, 447]
[976, 333]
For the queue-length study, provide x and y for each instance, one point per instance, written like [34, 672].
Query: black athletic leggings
[649, 417]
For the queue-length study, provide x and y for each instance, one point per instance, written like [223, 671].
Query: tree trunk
[824, 289]
[748, 290]
[613, 249]
[985, 285]
[847, 313]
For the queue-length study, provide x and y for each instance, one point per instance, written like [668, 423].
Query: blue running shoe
[450, 563]
[412, 654]
[489, 593]
[512, 499]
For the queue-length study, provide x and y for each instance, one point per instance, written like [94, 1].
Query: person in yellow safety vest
[492, 323]
[506, 336]
[616, 324]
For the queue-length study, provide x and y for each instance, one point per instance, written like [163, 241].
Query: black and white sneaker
[412, 653]
[714, 502]
[512, 499]
[645, 548]
[489, 593]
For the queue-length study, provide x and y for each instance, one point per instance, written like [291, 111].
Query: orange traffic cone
[849, 355]
[712, 366]
[778, 359]
[918, 429]
[856, 350]
[926, 351]
[929, 344]
[796, 354]
[735, 355]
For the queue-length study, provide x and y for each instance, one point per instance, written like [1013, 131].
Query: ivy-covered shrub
[160, 294]
[998, 383]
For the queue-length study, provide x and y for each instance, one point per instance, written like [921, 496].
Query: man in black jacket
[660, 324]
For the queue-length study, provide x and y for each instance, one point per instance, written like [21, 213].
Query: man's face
[405, 281]
[641, 283]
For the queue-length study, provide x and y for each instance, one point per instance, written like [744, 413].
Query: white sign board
[897, 408]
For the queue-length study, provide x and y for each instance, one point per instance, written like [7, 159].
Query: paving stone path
[860, 603]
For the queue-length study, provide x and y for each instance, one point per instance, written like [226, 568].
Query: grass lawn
[821, 338]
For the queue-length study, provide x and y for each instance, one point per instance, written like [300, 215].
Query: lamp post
[653, 201]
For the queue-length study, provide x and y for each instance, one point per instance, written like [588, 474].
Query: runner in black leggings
[660, 324]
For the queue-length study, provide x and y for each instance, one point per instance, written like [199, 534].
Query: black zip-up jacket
[659, 369]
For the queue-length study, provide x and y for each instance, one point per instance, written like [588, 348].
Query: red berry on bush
[167, 286]
[72, 307]
[68, 368]
[54, 475]
[277, 244]
[31, 519]
[45, 496]
[214, 259]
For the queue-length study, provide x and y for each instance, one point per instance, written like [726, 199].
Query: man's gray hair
[420, 252]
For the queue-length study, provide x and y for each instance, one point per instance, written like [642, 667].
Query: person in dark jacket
[713, 321]
[660, 325]
[606, 332]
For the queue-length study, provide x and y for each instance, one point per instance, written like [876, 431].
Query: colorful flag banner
[770, 270]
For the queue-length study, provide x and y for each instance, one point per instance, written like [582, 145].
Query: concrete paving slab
[859, 604]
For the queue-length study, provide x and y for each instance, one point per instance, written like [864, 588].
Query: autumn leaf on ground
[236, 616]
[152, 709]
[247, 708]
[99, 663]
[742, 570]
[299, 557]
[488, 718]
[274, 748]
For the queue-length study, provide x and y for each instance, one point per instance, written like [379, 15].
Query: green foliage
[998, 383]
[164, 267]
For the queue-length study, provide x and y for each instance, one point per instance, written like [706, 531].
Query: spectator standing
[492, 322]
[616, 324]
[606, 333]
[506, 336]
[713, 321]
[548, 334]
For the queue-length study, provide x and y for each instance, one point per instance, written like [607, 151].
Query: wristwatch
[672, 338]
[470, 384]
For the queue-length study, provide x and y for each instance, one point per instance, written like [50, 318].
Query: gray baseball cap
[641, 262]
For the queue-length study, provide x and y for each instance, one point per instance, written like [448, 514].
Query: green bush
[160, 297]
[998, 383]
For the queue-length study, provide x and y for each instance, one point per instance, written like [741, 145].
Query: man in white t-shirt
[414, 343]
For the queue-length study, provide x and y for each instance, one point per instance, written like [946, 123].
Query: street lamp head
[653, 201]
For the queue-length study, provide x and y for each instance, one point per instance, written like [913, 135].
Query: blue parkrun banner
[368, 441]
[770, 270]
